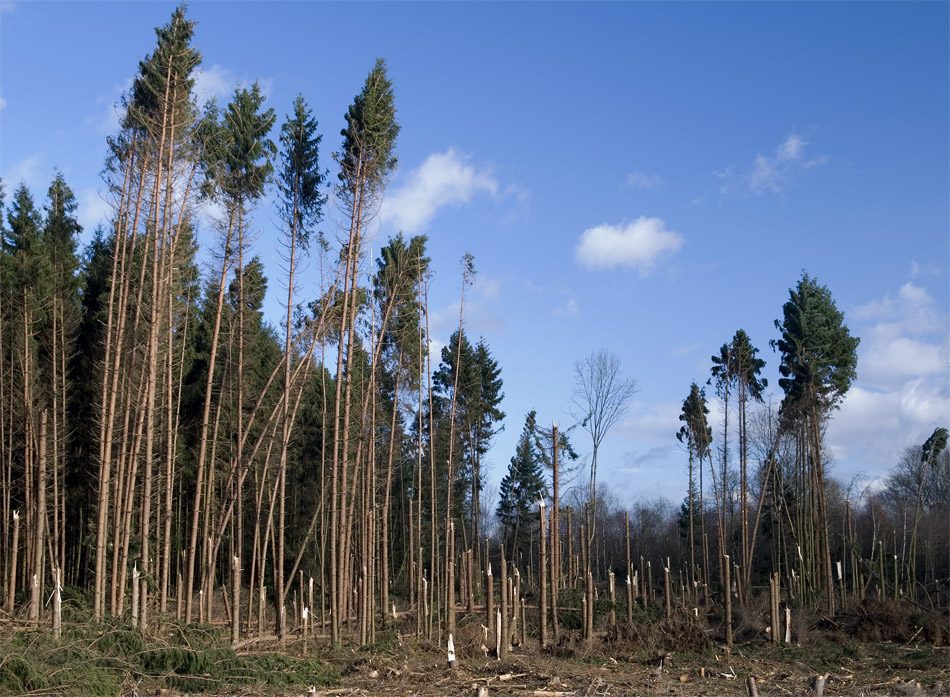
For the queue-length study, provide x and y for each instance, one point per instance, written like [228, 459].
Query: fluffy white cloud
[894, 360]
[3, 103]
[902, 390]
[912, 310]
[215, 81]
[219, 83]
[903, 337]
[444, 179]
[637, 245]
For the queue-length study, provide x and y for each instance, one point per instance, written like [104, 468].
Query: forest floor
[874, 650]
[849, 669]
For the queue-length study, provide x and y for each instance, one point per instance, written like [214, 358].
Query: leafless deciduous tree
[601, 396]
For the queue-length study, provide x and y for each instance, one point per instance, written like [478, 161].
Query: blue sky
[645, 177]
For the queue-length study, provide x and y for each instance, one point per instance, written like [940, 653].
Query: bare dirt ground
[605, 669]
[881, 669]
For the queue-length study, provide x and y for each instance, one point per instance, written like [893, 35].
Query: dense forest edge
[197, 499]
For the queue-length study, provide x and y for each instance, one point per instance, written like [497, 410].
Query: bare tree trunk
[205, 419]
[125, 240]
[39, 546]
[384, 544]
[542, 569]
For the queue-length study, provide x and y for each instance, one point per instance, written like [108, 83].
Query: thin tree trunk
[39, 546]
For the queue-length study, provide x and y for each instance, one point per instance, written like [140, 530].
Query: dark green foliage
[476, 411]
[23, 242]
[239, 157]
[695, 433]
[369, 138]
[565, 450]
[934, 446]
[738, 364]
[165, 77]
[818, 354]
[400, 268]
[299, 179]
[520, 492]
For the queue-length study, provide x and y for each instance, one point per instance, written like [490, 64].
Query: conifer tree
[301, 208]
[366, 158]
[520, 490]
[818, 365]
[399, 267]
[697, 435]
[238, 165]
[61, 230]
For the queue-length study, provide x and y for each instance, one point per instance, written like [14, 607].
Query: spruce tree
[366, 159]
[520, 491]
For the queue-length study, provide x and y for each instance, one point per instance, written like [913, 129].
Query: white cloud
[3, 103]
[772, 174]
[791, 149]
[92, 209]
[918, 270]
[435, 349]
[642, 180]
[215, 81]
[534, 287]
[874, 426]
[28, 172]
[902, 391]
[488, 287]
[765, 176]
[913, 311]
[218, 82]
[444, 179]
[568, 309]
[638, 245]
[905, 338]
[891, 361]
[650, 419]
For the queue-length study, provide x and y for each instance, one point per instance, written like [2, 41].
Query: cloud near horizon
[444, 179]
[902, 391]
[637, 245]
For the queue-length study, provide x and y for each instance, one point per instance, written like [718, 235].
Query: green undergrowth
[108, 658]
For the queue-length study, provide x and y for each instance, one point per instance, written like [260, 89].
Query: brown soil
[599, 670]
